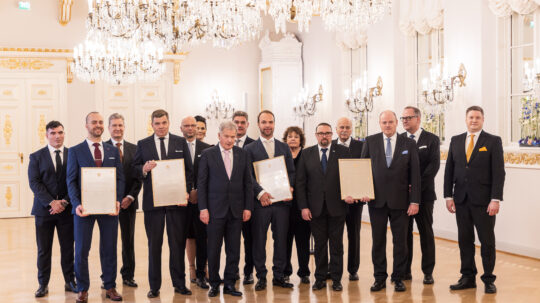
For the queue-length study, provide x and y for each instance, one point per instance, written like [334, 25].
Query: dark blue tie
[324, 159]
[388, 152]
[411, 136]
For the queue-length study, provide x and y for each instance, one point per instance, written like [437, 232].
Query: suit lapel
[317, 159]
[332, 157]
[88, 153]
[236, 162]
[461, 147]
[479, 144]
[172, 144]
[400, 141]
[153, 147]
[262, 150]
[219, 160]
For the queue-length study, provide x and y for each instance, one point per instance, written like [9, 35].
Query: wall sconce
[439, 90]
[360, 98]
[218, 108]
[306, 104]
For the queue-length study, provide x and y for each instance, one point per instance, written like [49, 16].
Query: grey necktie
[388, 152]
[192, 151]
[238, 142]
[269, 147]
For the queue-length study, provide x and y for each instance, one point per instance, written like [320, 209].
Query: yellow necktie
[470, 147]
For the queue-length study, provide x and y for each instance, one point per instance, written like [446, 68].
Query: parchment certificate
[98, 190]
[169, 183]
[355, 178]
[272, 175]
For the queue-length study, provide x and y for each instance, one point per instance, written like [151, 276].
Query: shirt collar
[91, 143]
[348, 142]
[269, 140]
[320, 147]
[52, 149]
[243, 138]
[114, 142]
[157, 138]
[416, 134]
[221, 148]
[194, 140]
[393, 138]
[476, 134]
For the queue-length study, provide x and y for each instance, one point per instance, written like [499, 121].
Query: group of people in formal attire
[226, 202]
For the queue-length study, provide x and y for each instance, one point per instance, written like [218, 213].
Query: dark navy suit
[81, 156]
[276, 213]
[47, 186]
[225, 199]
[246, 233]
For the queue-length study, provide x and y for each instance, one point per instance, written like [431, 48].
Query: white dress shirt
[241, 141]
[416, 134]
[468, 139]
[114, 142]
[92, 148]
[52, 152]
[327, 152]
[158, 147]
[272, 143]
[393, 140]
[346, 143]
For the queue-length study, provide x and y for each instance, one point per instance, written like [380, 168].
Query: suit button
[467, 166]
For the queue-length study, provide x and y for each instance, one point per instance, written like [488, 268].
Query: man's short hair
[416, 110]
[199, 118]
[322, 124]
[391, 111]
[475, 108]
[116, 116]
[265, 112]
[158, 113]
[240, 113]
[227, 125]
[90, 113]
[53, 124]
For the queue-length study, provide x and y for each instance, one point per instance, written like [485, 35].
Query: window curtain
[421, 16]
[504, 8]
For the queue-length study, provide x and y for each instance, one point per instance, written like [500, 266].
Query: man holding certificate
[95, 186]
[272, 199]
[159, 160]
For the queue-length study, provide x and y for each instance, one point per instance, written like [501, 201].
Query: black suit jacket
[392, 183]
[216, 192]
[133, 183]
[248, 141]
[199, 147]
[314, 188]
[257, 152]
[429, 154]
[43, 182]
[355, 148]
[482, 179]
[146, 151]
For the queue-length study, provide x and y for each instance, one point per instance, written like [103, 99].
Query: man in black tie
[353, 221]
[225, 193]
[319, 198]
[396, 180]
[473, 188]
[130, 201]
[47, 179]
[163, 145]
[240, 118]
[196, 230]
[430, 160]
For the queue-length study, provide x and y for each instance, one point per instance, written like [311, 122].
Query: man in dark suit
[265, 210]
[430, 160]
[93, 152]
[396, 180]
[130, 201]
[353, 221]
[240, 118]
[225, 193]
[319, 198]
[47, 179]
[163, 145]
[473, 188]
[196, 230]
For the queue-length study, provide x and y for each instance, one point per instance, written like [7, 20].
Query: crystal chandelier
[218, 108]
[299, 11]
[116, 60]
[306, 104]
[353, 15]
[439, 90]
[360, 98]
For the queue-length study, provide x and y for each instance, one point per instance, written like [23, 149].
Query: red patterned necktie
[97, 155]
[119, 145]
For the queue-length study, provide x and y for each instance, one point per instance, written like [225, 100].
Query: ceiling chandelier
[299, 11]
[353, 15]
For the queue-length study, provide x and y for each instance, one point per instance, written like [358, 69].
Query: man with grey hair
[225, 198]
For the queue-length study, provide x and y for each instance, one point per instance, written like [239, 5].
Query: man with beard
[266, 212]
[196, 230]
[319, 198]
[93, 152]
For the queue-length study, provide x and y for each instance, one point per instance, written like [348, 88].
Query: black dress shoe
[261, 285]
[42, 291]
[130, 282]
[248, 279]
[304, 280]
[490, 288]
[407, 277]
[153, 294]
[353, 277]
[428, 279]
[463, 283]
[182, 290]
[202, 283]
[378, 285]
[399, 286]
[336, 286]
[281, 283]
[319, 284]
[230, 290]
[71, 286]
[214, 292]
[328, 276]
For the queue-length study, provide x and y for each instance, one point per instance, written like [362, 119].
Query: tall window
[429, 53]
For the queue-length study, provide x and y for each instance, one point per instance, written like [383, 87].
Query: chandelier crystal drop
[353, 15]
[300, 11]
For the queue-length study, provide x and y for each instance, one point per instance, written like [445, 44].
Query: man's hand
[493, 208]
[265, 199]
[246, 215]
[126, 202]
[290, 199]
[306, 214]
[350, 200]
[204, 216]
[56, 207]
[451, 206]
[117, 209]
[149, 165]
[80, 211]
[413, 209]
[365, 199]
[193, 196]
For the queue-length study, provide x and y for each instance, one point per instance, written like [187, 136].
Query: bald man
[196, 230]
[396, 178]
[354, 215]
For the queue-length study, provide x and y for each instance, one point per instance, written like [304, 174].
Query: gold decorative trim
[65, 11]
[41, 129]
[25, 63]
[7, 93]
[176, 71]
[8, 196]
[8, 130]
[512, 158]
[41, 92]
[149, 129]
[69, 72]
[118, 94]
[35, 50]
[444, 155]
[7, 167]
[150, 94]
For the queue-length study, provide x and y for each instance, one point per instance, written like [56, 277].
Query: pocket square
[483, 148]
[198, 156]
[404, 152]
[422, 147]
[178, 151]
[111, 158]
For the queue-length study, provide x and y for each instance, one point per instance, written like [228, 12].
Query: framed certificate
[355, 178]
[272, 175]
[98, 190]
[169, 183]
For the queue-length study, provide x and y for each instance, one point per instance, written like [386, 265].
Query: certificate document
[272, 175]
[98, 190]
[169, 183]
[355, 178]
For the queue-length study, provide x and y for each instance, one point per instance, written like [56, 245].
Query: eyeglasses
[407, 118]
[324, 134]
